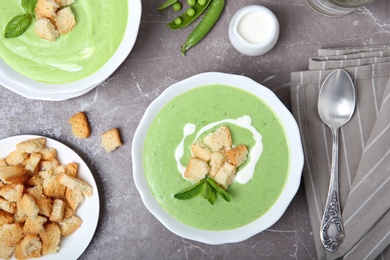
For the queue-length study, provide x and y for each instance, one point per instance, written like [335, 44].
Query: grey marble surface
[126, 230]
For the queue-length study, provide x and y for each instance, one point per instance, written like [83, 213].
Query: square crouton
[29, 247]
[48, 153]
[45, 206]
[237, 155]
[219, 139]
[58, 210]
[13, 174]
[29, 207]
[75, 184]
[36, 191]
[16, 157]
[7, 206]
[32, 165]
[225, 175]
[70, 225]
[216, 162]
[6, 250]
[6, 217]
[32, 145]
[46, 8]
[12, 192]
[196, 170]
[51, 187]
[50, 239]
[111, 140]
[65, 21]
[11, 233]
[200, 151]
[71, 169]
[49, 165]
[80, 125]
[34, 226]
[74, 198]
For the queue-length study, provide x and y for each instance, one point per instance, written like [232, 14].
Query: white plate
[73, 246]
[29, 88]
[287, 194]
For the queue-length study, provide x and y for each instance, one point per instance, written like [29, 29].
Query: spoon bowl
[336, 105]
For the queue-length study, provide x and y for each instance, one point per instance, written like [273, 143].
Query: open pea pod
[186, 19]
[166, 4]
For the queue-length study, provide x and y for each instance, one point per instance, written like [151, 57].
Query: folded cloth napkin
[364, 149]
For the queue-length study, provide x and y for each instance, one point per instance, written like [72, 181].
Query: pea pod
[166, 4]
[205, 25]
[186, 19]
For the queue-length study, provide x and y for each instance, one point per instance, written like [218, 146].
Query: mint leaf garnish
[224, 195]
[191, 191]
[29, 6]
[17, 25]
[207, 187]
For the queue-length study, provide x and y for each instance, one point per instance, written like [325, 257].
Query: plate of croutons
[49, 201]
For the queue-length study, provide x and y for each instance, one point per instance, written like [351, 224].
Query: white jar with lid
[254, 30]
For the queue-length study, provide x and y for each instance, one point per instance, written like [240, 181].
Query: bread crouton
[80, 125]
[75, 184]
[111, 140]
[46, 8]
[35, 180]
[7, 206]
[45, 29]
[68, 212]
[51, 187]
[29, 247]
[219, 139]
[200, 151]
[6, 250]
[11, 233]
[6, 217]
[36, 192]
[34, 226]
[71, 169]
[196, 170]
[31, 145]
[3, 162]
[49, 165]
[50, 239]
[29, 207]
[13, 174]
[16, 157]
[48, 153]
[237, 155]
[19, 216]
[58, 209]
[32, 165]
[62, 3]
[45, 206]
[64, 21]
[225, 175]
[216, 162]
[70, 225]
[12, 192]
[74, 198]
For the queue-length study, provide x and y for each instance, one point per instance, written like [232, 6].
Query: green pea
[191, 2]
[176, 6]
[202, 2]
[190, 12]
[186, 19]
[178, 21]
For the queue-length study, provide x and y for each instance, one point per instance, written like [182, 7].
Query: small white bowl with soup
[254, 30]
[256, 118]
[74, 63]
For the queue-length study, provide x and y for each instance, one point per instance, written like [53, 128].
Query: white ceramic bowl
[29, 88]
[266, 25]
[287, 194]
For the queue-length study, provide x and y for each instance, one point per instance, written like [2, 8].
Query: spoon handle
[332, 228]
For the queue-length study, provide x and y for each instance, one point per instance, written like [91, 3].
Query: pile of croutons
[215, 157]
[54, 17]
[38, 200]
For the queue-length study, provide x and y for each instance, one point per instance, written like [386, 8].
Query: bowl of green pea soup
[177, 125]
[43, 61]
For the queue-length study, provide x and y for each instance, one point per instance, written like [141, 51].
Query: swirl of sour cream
[246, 172]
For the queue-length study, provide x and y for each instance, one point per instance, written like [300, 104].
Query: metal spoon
[336, 104]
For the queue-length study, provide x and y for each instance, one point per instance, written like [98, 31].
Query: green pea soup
[202, 106]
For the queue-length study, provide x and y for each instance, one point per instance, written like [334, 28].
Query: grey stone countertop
[126, 229]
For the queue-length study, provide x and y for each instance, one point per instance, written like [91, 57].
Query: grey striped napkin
[364, 163]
